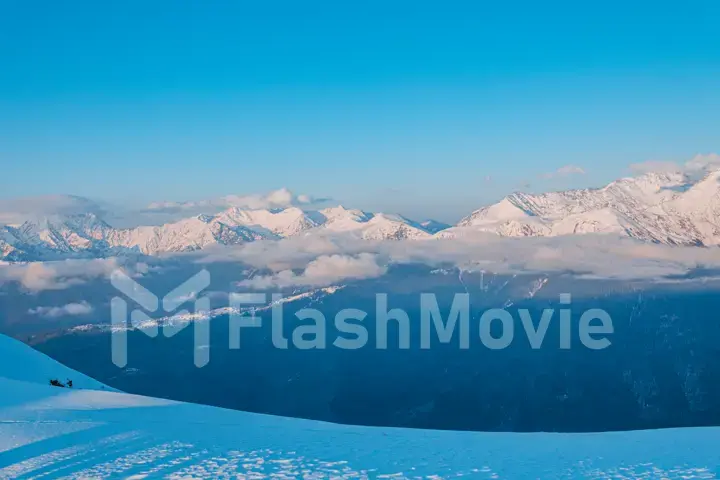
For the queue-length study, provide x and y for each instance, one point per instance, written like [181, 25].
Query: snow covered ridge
[668, 208]
[51, 432]
[88, 235]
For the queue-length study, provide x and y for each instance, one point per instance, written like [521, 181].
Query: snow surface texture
[52, 432]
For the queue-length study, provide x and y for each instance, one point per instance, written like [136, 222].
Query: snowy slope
[658, 207]
[20, 362]
[50, 432]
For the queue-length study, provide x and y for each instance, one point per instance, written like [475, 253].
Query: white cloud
[71, 309]
[316, 261]
[703, 162]
[288, 253]
[60, 275]
[324, 270]
[697, 165]
[327, 260]
[18, 210]
[281, 198]
[564, 171]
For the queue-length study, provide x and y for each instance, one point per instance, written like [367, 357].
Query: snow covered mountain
[666, 208]
[380, 226]
[185, 235]
[54, 236]
[78, 433]
[86, 234]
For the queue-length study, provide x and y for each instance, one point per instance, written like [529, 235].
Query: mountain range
[668, 208]
[88, 235]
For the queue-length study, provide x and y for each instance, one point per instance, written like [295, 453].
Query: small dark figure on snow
[56, 383]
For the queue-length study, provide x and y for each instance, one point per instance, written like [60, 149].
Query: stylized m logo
[150, 303]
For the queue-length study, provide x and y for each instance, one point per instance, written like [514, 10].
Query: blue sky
[416, 107]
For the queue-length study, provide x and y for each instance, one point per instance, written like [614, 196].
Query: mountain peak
[341, 213]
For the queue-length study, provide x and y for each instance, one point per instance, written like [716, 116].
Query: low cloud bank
[60, 275]
[323, 260]
[324, 270]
